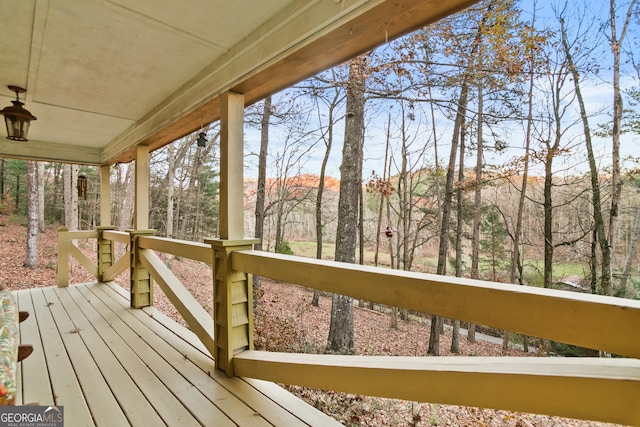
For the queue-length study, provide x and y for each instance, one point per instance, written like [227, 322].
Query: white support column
[105, 195]
[141, 209]
[231, 166]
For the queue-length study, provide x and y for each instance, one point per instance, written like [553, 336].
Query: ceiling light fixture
[17, 118]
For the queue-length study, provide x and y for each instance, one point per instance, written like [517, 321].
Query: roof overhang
[104, 76]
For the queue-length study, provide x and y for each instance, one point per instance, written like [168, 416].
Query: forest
[498, 143]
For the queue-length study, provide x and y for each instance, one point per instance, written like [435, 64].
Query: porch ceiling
[105, 75]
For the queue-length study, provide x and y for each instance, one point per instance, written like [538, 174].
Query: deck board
[67, 391]
[36, 386]
[133, 402]
[94, 387]
[173, 383]
[109, 364]
[165, 404]
[291, 413]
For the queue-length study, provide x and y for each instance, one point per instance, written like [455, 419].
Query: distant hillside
[304, 180]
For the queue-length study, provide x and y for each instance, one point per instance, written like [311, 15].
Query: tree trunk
[598, 219]
[260, 188]
[455, 336]
[70, 197]
[126, 213]
[323, 169]
[434, 335]
[341, 337]
[171, 177]
[616, 181]
[516, 270]
[41, 223]
[382, 196]
[33, 204]
[1, 180]
[477, 209]
[633, 241]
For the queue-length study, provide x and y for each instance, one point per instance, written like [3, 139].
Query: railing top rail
[116, 236]
[192, 250]
[79, 234]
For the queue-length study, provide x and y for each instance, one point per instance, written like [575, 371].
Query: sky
[597, 92]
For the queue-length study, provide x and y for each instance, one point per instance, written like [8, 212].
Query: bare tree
[331, 102]
[260, 189]
[70, 197]
[33, 204]
[616, 41]
[41, 222]
[128, 185]
[598, 218]
[171, 177]
[341, 337]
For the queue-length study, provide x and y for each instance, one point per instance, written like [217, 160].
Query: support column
[141, 208]
[231, 166]
[233, 303]
[106, 253]
[105, 195]
[141, 283]
[62, 270]
[232, 290]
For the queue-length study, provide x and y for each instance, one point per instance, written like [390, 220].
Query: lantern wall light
[16, 117]
[202, 139]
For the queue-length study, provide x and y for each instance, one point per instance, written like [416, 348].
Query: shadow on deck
[108, 364]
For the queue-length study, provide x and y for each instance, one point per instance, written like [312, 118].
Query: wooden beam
[594, 389]
[182, 248]
[116, 236]
[50, 152]
[592, 321]
[75, 252]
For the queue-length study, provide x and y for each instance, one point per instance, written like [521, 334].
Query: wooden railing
[199, 321]
[145, 267]
[67, 250]
[111, 269]
[106, 268]
[603, 389]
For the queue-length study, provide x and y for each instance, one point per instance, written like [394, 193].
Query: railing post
[233, 303]
[62, 270]
[106, 253]
[141, 283]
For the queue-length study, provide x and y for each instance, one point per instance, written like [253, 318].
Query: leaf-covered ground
[286, 321]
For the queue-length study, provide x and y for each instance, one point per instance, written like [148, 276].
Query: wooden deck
[108, 364]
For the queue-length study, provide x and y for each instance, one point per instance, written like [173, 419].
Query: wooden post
[62, 270]
[233, 303]
[106, 253]
[231, 166]
[141, 283]
[141, 208]
[105, 195]
[232, 290]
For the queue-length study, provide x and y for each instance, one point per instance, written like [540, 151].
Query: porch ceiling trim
[45, 151]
